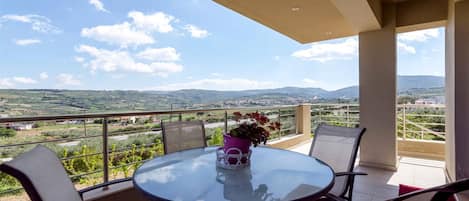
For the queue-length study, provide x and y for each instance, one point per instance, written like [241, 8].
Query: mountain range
[405, 84]
[18, 102]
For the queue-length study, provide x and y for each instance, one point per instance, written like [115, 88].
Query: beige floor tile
[362, 197]
[381, 185]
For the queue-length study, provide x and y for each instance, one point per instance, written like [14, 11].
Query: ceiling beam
[363, 15]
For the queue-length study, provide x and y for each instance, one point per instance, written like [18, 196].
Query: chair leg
[350, 190]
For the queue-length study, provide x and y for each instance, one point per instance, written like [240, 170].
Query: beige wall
[422, 149]
[377, 9]
[449, 76]
[377, 58]
[418, 13]
[461, 90]
[457, 90]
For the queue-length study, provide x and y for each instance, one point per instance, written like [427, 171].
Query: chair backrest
[42, 175]
[338, 147]
[183, 135]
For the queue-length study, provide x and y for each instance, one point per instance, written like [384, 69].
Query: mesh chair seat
[42, 175]
[44, 178]
[178, 136]
[338, 147]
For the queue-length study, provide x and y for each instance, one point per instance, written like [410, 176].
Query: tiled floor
[382, 184]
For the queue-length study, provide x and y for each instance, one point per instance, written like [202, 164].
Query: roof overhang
[309, 21]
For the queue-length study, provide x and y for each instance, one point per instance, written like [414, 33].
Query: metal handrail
[126, 114]
[348, 115]
[106, 134]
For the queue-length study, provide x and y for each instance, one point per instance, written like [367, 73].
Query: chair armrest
[82, 191]
[339, 174]
[331, 197]
[442, 192]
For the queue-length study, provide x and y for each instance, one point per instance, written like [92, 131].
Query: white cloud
[419, 36]
[111, 61]
[196, 32]
[218, 84]
[137, 32]
[24, 80]
[43, 76]
[327, 51]
[159, 54]
[277, 58]
[156, 22]
[406, 48]
[123, 35]
[68, 79]
[311, 82]
[25, 42]
[79, 59]
[98, 5]
[38, 23]
[11, 82]
[6, 83]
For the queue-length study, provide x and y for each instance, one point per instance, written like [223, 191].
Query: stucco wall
[461, 87]
[377, 58]
[449, 76]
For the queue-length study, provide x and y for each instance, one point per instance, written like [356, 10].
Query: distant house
[424, 101]
[3, 115]
[21, 126]
[129, 119]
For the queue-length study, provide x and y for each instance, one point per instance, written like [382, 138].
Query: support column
[303, 119]
[457, 90]
[303, 128]
[377, 58]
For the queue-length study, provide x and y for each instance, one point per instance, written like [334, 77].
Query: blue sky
[169, 45]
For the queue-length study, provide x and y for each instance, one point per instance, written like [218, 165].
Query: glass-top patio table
[274, 174]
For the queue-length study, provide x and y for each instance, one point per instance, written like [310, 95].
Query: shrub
[217, 138]
[6, 132]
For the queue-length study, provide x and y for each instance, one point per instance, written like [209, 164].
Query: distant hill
[43, 101]
[419, 82]
[405, 83]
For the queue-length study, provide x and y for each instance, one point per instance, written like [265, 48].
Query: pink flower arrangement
[253, 126]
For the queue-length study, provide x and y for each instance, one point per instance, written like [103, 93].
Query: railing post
[279, 118]
[404, 122]
[105, 151]
[320, 115]
[226, 122]
[348, 115]
[84, 126]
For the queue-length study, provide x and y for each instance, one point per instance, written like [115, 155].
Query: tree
[217, 138]
[406, 100]
[6, 132]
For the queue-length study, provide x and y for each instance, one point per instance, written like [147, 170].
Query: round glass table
[274, 174]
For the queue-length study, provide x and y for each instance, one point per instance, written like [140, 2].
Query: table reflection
[235, 181]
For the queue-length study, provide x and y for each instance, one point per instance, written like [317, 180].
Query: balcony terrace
[136, 137]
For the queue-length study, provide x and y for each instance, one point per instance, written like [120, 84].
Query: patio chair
[183, 135]
[439, 193]
[44, 178]
[338, 147]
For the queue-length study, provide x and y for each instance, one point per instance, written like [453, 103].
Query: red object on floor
[403, 189]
